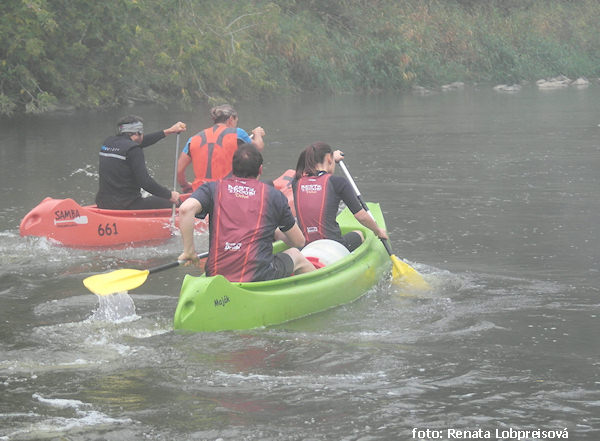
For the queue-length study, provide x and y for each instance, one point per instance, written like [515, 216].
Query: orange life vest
[212, 151]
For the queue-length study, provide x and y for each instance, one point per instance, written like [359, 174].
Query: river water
[493, 197]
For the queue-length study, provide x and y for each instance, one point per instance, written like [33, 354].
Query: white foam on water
[105, 343]
[115, 308]
[90, 343]
[21, 371]
[84, 416]
[439, 280]
[58, 402]
[228, 378]
[147, 333]
[78, 362]
[86, 171]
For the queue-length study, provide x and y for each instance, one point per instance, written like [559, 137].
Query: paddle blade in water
[404, 274]
[115, 281]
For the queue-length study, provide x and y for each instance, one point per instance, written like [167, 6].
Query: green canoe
[214, 304]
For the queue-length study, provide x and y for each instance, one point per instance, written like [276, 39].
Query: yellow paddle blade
[404, 274]
[115, 281]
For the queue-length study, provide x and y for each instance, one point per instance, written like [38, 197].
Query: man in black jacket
[122, 168]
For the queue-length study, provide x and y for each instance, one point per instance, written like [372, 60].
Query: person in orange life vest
[244, 216]
[317, 196]
[210, 151]
[122, 168]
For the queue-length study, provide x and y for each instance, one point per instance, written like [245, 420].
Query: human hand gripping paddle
[402, 272]
[122, 280]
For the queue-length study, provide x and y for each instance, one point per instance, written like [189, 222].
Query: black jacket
[122, 172]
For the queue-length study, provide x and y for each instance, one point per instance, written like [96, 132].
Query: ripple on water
[56, 416]
[98, 340]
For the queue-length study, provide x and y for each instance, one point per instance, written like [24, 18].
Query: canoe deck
[214, 304]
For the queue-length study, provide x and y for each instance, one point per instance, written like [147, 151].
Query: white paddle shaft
[356, 190]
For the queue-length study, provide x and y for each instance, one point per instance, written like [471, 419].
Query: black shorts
[351, 240]
[283, 266]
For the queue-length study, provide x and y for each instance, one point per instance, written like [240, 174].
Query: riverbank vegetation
[96, 54]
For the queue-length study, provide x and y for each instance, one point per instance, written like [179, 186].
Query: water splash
[115, 308]
[89, 170]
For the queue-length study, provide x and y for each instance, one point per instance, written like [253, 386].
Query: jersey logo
[241, 191]
[310, 188]
[232, 246]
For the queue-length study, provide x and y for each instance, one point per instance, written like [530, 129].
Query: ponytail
[300, 165]
[309, 158]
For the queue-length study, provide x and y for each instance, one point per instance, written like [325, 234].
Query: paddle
[125, 279]
[81, 220]
[402, 272]
[175, 179]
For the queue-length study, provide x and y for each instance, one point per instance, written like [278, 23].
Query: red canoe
[67, 223]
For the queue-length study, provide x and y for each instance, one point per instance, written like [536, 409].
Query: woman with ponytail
[317, 196]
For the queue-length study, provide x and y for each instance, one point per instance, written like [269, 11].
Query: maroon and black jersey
[244, 214]
[317, 200]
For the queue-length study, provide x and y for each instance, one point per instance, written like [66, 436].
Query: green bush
[96, 54]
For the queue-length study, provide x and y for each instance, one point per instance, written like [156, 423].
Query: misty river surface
[494, 198]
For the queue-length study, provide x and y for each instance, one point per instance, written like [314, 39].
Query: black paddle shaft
[170, 265]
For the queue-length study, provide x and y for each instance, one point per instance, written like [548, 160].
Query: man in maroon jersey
[245, 215]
